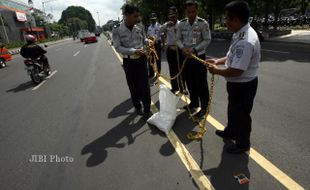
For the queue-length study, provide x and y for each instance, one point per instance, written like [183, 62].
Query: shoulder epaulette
[241, 35]
[183, 20]
[201, 20]
[117, 25]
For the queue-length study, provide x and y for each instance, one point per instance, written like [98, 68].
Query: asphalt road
[83, 113]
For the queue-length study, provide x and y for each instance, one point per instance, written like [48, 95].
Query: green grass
[14, 45]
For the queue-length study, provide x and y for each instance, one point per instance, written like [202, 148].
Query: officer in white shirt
[169, 30]
[193, 37]
[241, 64]
[130, 40]
[154, 31]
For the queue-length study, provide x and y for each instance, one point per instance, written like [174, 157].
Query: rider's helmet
[30, 38]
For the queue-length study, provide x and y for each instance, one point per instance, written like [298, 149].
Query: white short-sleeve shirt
[244, 54]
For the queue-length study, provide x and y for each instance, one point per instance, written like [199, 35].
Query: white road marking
[269, 167]
[39, 85]
[76, 53]
[43, 82]
[275, 51]
[53, 73]
[191, 165]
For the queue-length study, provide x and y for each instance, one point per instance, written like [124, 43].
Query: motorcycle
[35, 68]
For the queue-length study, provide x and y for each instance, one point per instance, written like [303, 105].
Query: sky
[108, 9]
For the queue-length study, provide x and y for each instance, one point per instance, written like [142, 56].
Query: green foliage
[39, 20]
[214, 9]
[14, 45]
[59, 29]
[75, 24]
[73, 13]
[20, 44]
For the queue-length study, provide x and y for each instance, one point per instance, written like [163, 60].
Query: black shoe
[200, 114]
[139, 111]
[224, 134]
[233, 149]
[146, 116]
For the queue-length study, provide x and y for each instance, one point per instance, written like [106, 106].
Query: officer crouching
[129, 40]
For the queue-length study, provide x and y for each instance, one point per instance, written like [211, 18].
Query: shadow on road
[121, 109]
[22, 87]
[222, 177]
[98, 148]
[182, 127]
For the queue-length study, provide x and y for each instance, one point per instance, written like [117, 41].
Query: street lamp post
[98, 18]
[44, 2]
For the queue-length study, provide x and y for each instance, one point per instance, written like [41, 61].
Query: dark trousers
[174, 69]
[197, 83]
[240, 104]
[137, 80]
[158, 62]
[44, 60]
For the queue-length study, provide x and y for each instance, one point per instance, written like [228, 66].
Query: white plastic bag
[165, 118]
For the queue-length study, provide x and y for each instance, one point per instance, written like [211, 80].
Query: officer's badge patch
[239, 52]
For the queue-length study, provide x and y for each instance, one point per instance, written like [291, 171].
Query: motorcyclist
[33, 51]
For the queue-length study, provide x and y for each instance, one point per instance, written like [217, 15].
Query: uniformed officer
[193, 37]
[169, 30]
[154, 31]
[241, 64]
[129, 40]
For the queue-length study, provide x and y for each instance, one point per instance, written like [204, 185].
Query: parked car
[5, 56]
[91, 38]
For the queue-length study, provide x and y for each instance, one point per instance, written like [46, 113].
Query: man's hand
[213, 69]
[212, 61]
[187, 52]
[151, 41]
[139, 52]
[170, 23]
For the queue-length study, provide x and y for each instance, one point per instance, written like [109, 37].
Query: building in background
[16, 21]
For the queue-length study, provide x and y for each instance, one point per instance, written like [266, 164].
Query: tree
[75, 24]
[80, 13]
[59, 29]
[39, 20]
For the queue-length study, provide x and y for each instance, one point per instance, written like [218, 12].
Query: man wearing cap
[129, 40]
[193, 37]
[154, 31]
[169, 31]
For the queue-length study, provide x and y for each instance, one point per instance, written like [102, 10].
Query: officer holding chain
[169, 30]
[193, 37]
[240, 71]
[130, 40]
